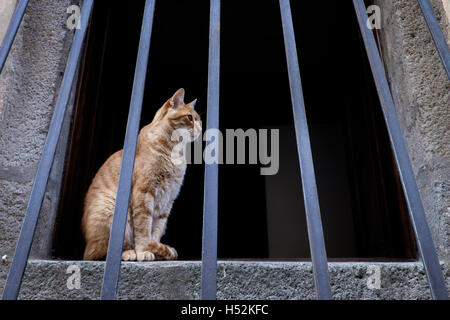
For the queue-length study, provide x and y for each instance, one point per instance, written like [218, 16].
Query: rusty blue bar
[210, 207]
[114, 257]
[312, 208]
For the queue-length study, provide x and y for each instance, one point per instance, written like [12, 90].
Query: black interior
[339, 94]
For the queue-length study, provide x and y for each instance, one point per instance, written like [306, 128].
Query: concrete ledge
[237, 280]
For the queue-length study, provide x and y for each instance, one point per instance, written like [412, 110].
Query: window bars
[210, 208]
[209, 253]
[312, 209]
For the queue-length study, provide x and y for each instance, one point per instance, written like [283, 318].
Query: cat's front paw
[145, 256]
[129, 255]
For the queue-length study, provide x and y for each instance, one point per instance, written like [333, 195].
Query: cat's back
[99, 201]
[107, 178]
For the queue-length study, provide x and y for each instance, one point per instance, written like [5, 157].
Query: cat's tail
[96, 250]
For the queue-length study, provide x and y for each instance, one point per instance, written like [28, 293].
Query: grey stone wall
[28, 88]
[421, 92]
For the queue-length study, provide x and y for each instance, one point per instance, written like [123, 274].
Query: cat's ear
[192, 104]
[178, 99]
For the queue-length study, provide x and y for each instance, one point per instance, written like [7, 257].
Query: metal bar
[313, 218]
[436, 33]
[210, 207]
[423, 235]
[12, 31]
[22, 251]
[114, 257]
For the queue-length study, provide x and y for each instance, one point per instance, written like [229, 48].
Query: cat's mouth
[195, 136]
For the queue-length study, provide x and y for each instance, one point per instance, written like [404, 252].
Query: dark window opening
[363, 209]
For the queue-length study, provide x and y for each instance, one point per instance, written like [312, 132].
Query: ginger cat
[157, 180]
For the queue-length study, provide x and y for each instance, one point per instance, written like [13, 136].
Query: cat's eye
[191, 118]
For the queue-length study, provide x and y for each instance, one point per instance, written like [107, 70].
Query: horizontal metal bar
[114, 257]
[210, 206]
[14, 25]
[22, 251]
[415, 206]
[436, 33]
[313, 218]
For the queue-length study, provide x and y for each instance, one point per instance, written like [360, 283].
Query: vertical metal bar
[423, 235]
[114, 258]
[210, 208]
[436, 33]
[313, 218]
[12, 31]
[21, 254]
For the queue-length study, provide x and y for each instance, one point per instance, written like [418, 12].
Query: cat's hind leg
[96, 250]
[162, 251]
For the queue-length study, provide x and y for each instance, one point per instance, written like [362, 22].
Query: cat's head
[181, 116]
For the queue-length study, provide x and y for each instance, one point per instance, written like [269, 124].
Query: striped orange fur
[157, 180]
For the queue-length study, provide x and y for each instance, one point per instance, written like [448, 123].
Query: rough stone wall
[28, 87]
[421, 92]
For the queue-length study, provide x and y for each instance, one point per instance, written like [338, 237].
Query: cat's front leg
[129, 255]
[162, 251]
[159, 228]
[143, 222]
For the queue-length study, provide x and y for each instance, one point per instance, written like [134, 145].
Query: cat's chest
[165, 187]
